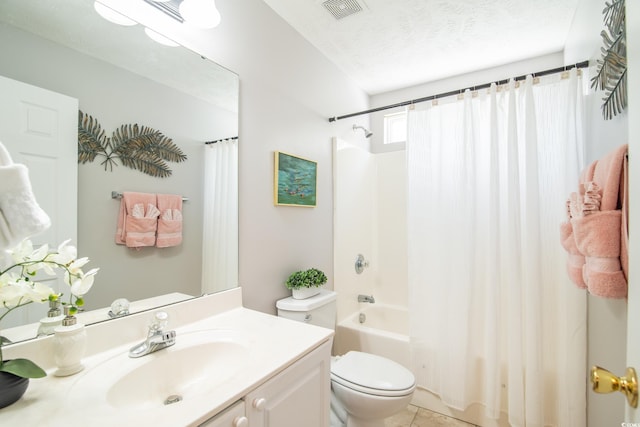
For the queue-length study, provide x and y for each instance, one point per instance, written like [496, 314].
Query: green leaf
[612, 67]
[138, 147]
[91, 138]
[23, 368]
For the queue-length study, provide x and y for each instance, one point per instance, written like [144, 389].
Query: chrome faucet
[157, 338]
[366, 298]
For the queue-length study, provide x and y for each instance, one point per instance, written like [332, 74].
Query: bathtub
[384, 331]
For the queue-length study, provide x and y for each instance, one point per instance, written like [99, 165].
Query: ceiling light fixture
[200, 13]
[113, 16]
[157, 37]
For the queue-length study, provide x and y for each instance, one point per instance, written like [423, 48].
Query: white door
[40, 129]
[633, 308]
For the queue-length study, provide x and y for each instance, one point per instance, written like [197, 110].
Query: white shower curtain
[220, 228]
[494, 318]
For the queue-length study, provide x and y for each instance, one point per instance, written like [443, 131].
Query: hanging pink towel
[576, 259]
[137, 220]
[170, 221]
[598, 238]
[600, 229]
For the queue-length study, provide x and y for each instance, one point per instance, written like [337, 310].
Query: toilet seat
[371, 374]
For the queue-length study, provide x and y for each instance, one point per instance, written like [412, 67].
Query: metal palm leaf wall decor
[138, 147]
[612, 67]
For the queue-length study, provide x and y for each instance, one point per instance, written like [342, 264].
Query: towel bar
[118, 195]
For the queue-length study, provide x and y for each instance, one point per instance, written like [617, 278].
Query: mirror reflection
[120, 76]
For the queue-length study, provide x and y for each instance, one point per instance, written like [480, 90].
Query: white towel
[20, 215]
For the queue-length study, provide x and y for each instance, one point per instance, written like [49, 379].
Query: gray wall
[288, 90]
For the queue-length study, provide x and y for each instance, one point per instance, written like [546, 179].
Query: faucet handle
[159, 322]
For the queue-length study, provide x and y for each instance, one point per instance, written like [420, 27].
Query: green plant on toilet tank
[311, 278]
[303, 283]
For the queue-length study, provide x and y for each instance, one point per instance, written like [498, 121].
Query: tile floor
[414, 416]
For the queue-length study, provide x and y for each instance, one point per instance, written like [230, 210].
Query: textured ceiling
[393, 44]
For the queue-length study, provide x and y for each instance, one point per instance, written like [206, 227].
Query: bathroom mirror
[120, 76]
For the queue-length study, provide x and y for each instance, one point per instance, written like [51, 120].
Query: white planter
[304, 293]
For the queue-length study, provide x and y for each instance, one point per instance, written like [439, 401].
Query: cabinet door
[233, 416]
[298, 396]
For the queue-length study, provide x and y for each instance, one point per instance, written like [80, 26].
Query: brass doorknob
[605, 382]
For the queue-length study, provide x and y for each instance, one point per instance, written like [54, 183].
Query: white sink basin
[198, 363]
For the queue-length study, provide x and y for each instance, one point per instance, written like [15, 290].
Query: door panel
[633, 308]
[40, 130]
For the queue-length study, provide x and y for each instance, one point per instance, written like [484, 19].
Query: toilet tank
[319, 310]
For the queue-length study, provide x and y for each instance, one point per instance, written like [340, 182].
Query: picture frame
[295, 180]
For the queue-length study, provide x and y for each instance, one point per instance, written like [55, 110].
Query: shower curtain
[220, 224]
[494, 319]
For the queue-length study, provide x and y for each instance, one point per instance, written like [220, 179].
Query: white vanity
[230, 366]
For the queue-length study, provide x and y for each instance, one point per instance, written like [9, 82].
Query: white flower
[21, 252]
[66, 253]
[83, 284]
[15, 292]
[16, 287]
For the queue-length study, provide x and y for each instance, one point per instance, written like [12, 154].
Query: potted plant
[306, 283]
[18, 289]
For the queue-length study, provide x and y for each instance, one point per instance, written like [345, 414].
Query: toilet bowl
[369, 388]
[365, 388]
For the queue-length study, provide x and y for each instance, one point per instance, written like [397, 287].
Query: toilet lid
[372, 374]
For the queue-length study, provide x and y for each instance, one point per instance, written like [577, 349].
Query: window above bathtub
[395, 128]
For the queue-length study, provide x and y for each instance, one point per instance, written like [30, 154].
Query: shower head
[367, 133]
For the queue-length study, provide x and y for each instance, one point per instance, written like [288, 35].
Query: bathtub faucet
[366, 298]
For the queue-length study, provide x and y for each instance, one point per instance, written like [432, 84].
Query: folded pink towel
[597, 236]
[170, 221]
[608, 175]
[597, 227]
[137, 220]
[575, 260]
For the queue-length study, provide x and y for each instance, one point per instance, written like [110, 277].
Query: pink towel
[597, 236]
[170, 221]
[608, 175]
[598, 225]
[137, 220]
[576, 260]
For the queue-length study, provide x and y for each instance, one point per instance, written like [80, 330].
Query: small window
[395, 128]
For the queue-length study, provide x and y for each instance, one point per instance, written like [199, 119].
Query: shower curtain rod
[220, 140]
[583, 64]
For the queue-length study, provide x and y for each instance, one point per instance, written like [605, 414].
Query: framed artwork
[294, 181]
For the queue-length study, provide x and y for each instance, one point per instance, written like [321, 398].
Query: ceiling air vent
[342, 8]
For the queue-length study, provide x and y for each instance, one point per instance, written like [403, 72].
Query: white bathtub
[385, 332]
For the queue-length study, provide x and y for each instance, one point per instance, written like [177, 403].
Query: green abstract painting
[295, 180]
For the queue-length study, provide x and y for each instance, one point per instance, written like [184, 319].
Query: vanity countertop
[83, 399]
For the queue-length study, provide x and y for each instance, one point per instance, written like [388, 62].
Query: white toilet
[365, 388]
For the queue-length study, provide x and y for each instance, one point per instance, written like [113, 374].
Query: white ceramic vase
[304, 293]
[69, 346]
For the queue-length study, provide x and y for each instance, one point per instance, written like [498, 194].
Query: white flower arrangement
[17, 288]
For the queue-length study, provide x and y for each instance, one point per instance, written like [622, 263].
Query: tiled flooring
[418, 417]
